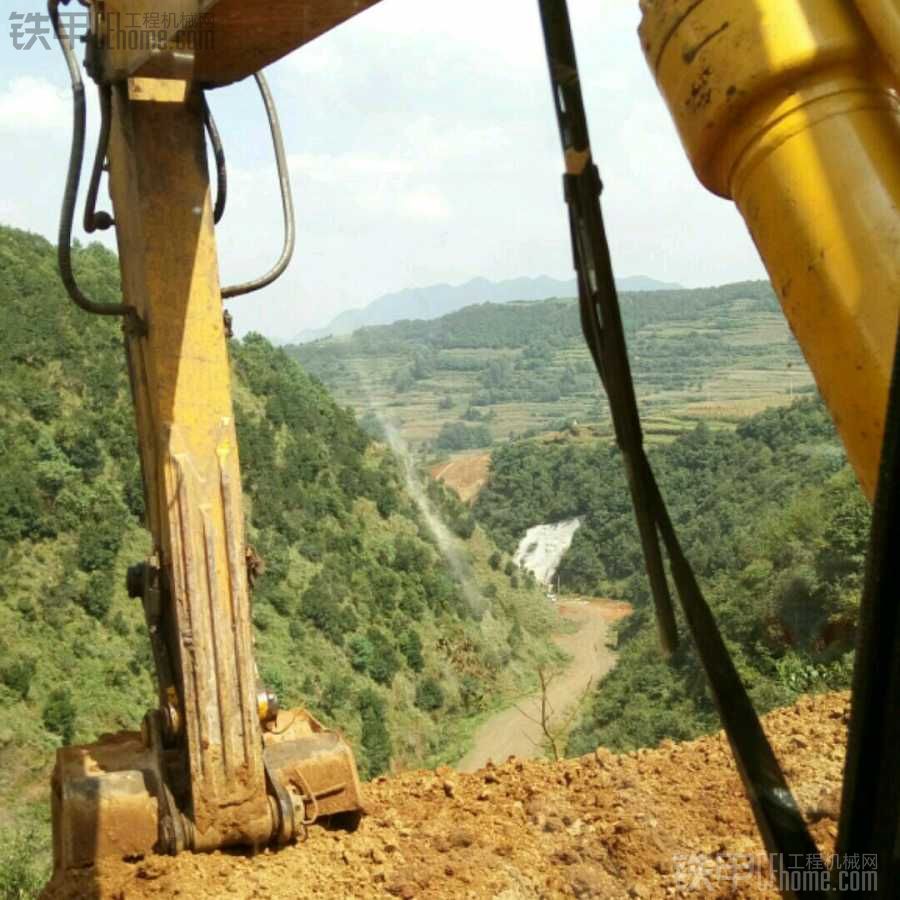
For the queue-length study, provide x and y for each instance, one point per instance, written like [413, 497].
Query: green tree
[376, 739]
[17, 676]
[97, 596]
[59, 714]
[384, 662]
[411, 648]
[429, 695]
[458, 436]
[361, 652]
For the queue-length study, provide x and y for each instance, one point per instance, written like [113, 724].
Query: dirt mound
[654, 823]
[467, 474]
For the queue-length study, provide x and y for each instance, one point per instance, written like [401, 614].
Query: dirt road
[516, 731]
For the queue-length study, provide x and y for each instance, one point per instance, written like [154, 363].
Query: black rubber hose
[93, 220]
[287, 203]
[219, 154]
[73, 177]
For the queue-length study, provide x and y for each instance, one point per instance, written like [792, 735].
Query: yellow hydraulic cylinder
[883, 19]
[785, 107]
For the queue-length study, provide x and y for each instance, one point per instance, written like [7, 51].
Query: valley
[361, 613]
[403, 599]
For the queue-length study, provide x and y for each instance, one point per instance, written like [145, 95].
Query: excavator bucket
[118, 798]
[315, 765]
[104, 800]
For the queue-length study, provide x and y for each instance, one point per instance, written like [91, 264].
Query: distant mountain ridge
[437, 300]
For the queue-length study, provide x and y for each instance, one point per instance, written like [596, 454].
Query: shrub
[17, 676]
[101, 536]
[97, 596]
[457, 436]
[463, 526]
[361, 652]
[471, 692]
[429, 695]
[411, 648]
[21, 870]
[384, 662]
[376, 739]
[59, 714]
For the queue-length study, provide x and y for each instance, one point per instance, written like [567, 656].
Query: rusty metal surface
[314, 763]
[111, 799]
[226, 40]
[104, 801]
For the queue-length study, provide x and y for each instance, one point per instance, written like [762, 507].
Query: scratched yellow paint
[785, 107]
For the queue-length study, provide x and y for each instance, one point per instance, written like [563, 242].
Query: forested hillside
[490, 371]
[772, 519]
[357, 614]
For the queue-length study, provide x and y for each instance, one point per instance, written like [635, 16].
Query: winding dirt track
[516, 731]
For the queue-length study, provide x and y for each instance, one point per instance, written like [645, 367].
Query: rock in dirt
[605, 825]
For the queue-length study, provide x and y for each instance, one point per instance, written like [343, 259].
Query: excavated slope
[648, 824]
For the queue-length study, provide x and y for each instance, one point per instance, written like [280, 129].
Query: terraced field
[715, 354]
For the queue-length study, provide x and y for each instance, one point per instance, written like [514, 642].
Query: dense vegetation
[551, 322]
[358, 615]
[525, 366]
[775, 526]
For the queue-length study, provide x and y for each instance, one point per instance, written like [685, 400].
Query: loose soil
[517, 731]
[646, 824]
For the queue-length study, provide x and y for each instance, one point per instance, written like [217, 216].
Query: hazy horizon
[422, 150]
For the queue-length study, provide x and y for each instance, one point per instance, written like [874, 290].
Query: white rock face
[543, 547]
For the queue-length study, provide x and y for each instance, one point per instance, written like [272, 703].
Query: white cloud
[339, 168]
[30, 104]
[425, 203]
[422, 148]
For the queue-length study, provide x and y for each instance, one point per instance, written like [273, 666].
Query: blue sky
[423, 149]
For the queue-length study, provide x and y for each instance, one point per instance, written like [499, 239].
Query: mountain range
[440, 299]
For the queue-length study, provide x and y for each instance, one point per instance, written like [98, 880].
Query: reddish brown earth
[467, 474]
[648, 824]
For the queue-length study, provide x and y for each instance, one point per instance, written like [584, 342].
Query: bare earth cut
[466, 473]
[655, 823]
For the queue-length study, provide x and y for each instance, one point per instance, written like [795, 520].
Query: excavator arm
[216, 764]
[790, 107]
